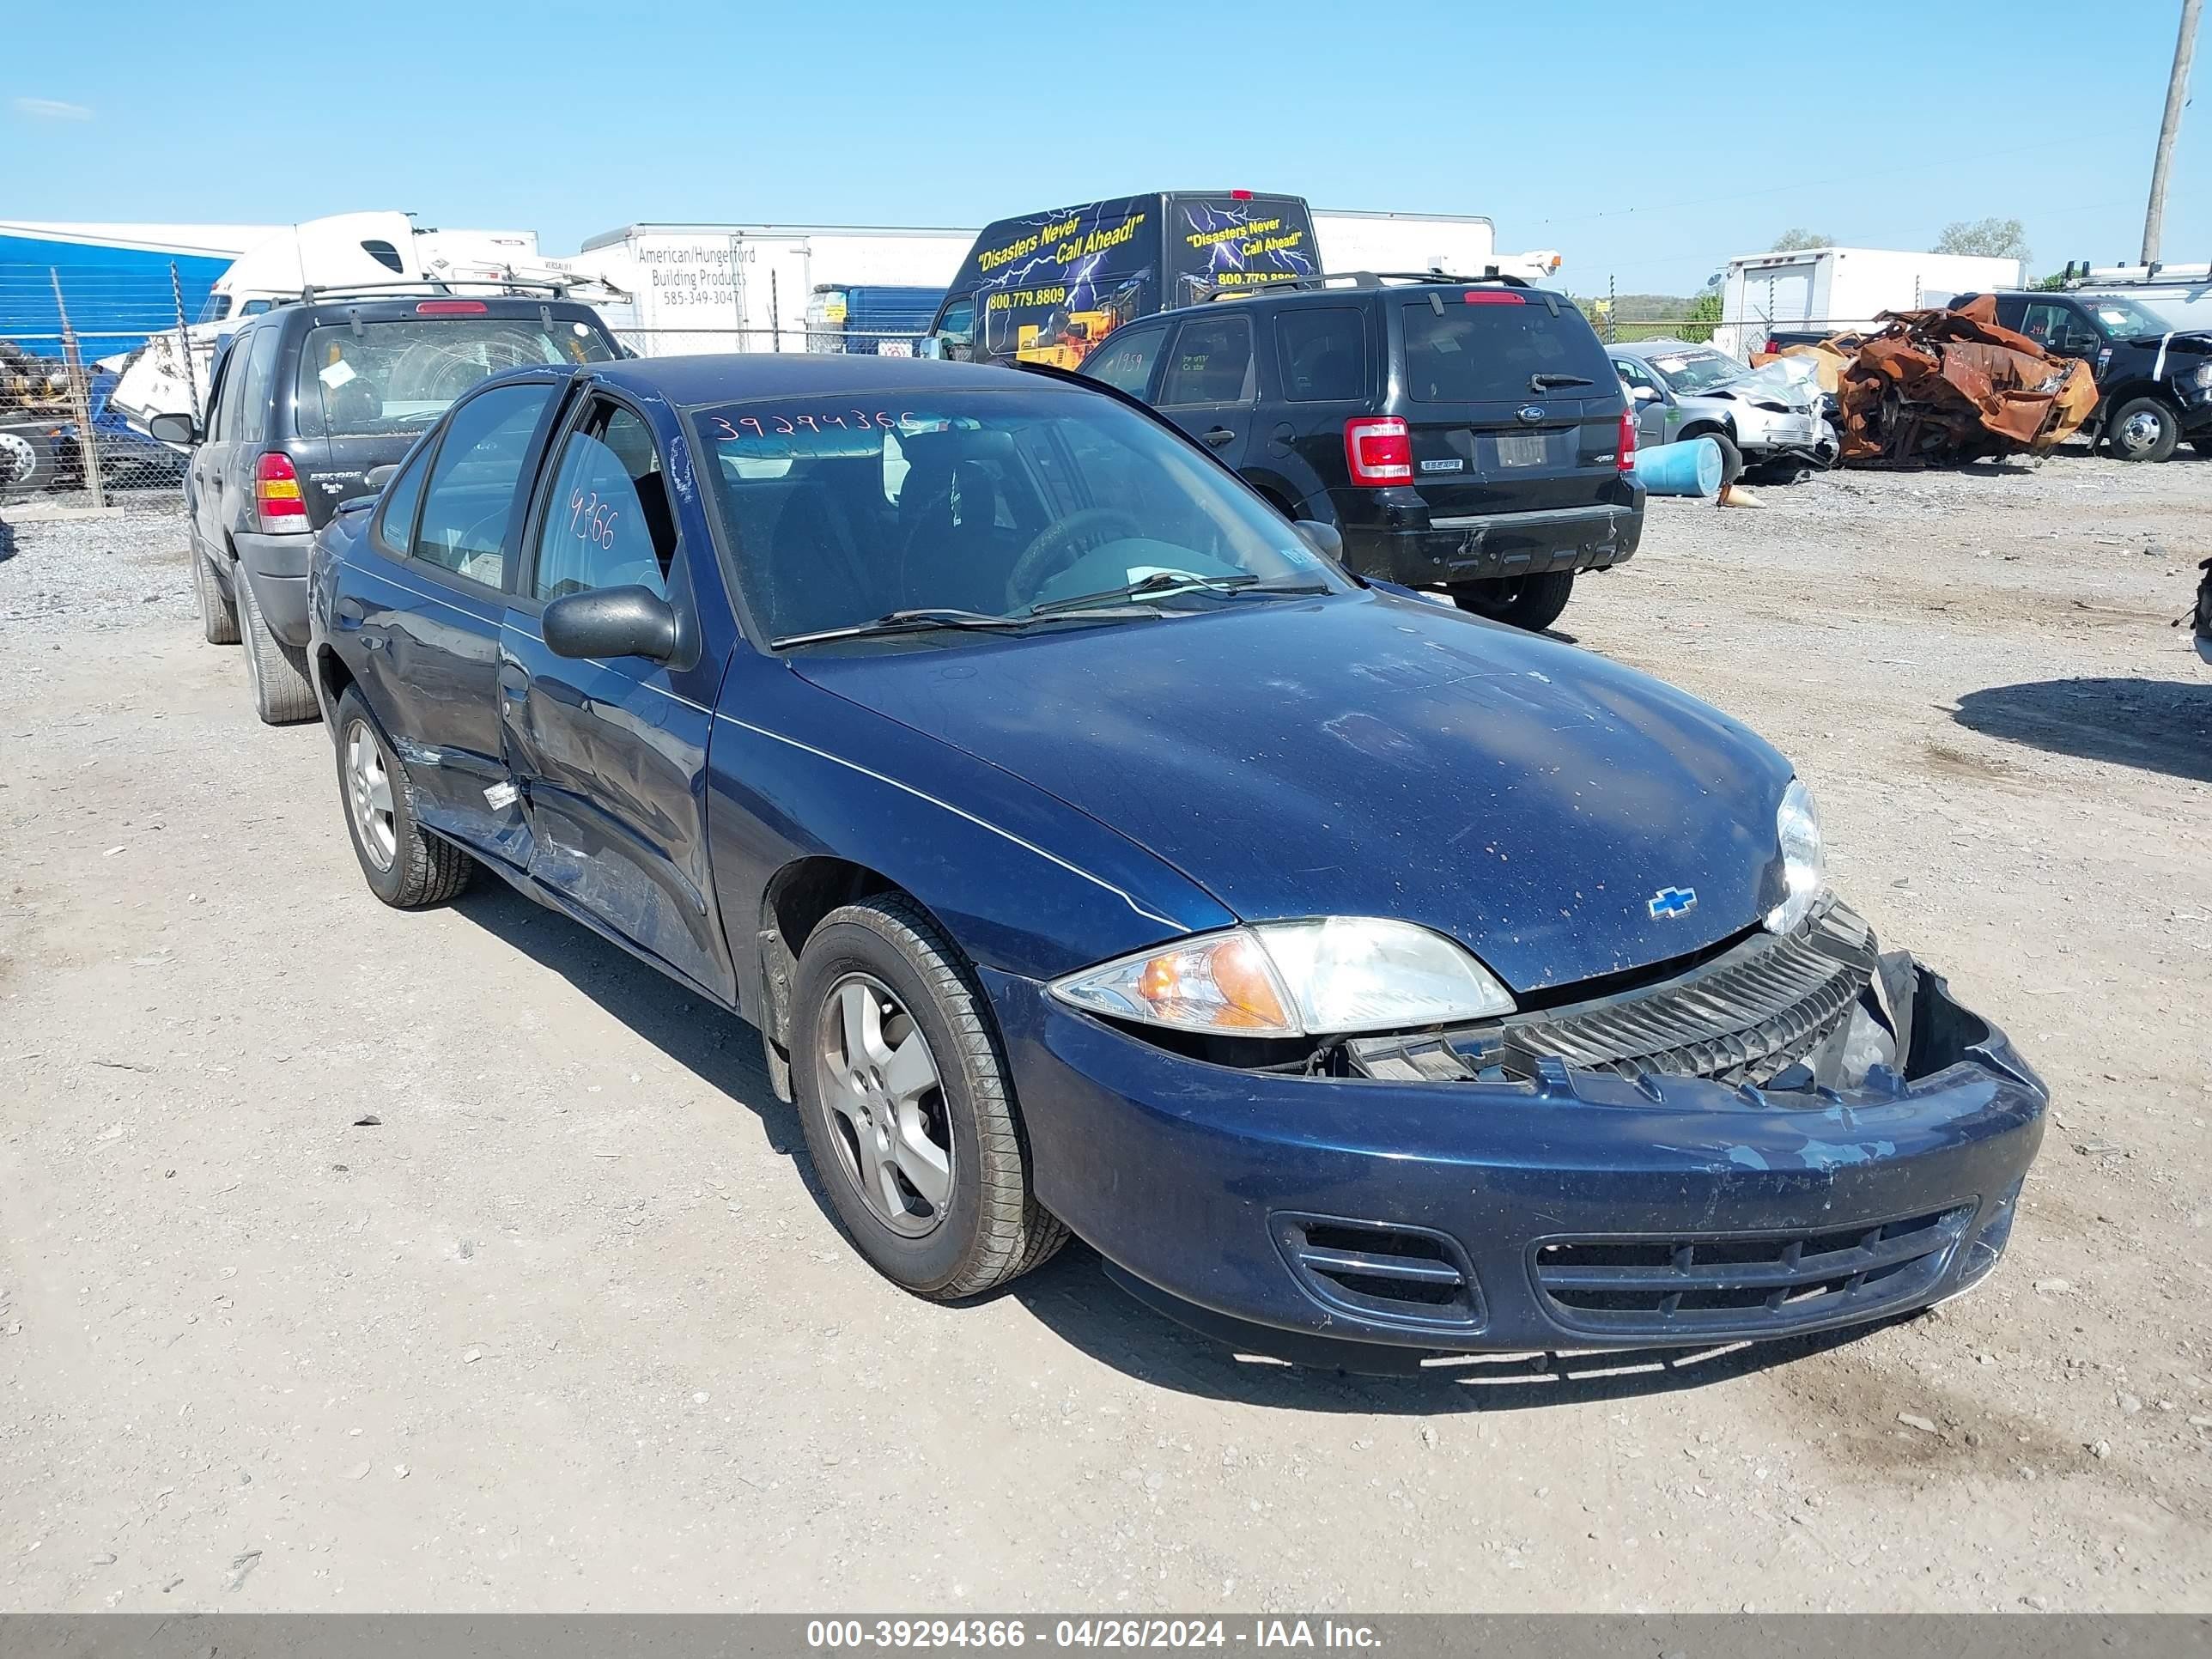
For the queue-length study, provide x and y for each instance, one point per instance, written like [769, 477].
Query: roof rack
[313, 294]
[2079, 273]
[1356, 279]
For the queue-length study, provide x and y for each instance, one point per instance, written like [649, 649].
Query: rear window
[1490, 351]
[399, 377]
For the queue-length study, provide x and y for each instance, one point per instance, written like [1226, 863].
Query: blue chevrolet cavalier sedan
[1094, 855]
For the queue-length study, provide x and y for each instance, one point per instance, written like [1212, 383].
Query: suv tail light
[277, 496]
[1626, 451]
[1379, 450]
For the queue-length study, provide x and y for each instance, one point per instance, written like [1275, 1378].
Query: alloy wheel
[368, 796]
[886, 1102]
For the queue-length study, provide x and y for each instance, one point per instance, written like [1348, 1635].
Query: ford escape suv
[1465, 436]
[307, 401]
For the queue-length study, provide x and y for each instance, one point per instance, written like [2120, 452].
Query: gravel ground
[350, 1260]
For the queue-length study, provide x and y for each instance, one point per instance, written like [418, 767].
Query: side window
[1324, 353]
[1212, 363]
[1633, 373]
[1125, 363]
[395, 516]
[470, 493]
[959, 323]
[234, 382]
[260, 375]
[2044, 323]
[608, 521]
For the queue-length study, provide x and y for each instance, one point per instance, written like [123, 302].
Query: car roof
[1668, 345]
[737, 377]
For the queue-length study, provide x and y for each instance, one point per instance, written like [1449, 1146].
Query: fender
[1024, 883]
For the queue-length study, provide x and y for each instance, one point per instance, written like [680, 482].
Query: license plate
[1520, 449]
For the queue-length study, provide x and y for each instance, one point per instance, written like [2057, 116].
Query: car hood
[1374, 755]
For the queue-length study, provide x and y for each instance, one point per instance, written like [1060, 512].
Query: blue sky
[1646, 142]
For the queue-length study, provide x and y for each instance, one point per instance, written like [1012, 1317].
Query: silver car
[1760, 418]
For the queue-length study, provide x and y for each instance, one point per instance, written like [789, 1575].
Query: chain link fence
[67, 337]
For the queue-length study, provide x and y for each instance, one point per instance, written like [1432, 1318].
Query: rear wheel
[907, 1107]
[218, 620]
[2142, 429]
[1530, 602]
[406, 866]
[282, 694]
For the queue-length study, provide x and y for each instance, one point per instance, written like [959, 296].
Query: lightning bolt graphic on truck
[1047, 287]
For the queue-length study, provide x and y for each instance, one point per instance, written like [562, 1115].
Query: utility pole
[2177, 93]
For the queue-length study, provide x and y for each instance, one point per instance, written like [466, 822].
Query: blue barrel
[1692, 467]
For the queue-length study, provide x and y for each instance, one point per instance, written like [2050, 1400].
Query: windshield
[1692, 372]
[989, 504]
[2126, 319]
[399, 377]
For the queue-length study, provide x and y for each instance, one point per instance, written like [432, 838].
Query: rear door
[1510, 400]
[209, 457]
[1325, 361]
[610, 758]
[429, 601]
[1209, 382]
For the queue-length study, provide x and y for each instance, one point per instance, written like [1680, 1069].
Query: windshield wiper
[1159, 582]
[905, 621]
[1545, 382]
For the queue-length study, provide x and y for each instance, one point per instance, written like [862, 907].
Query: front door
[430, 604]
[611, 756]
[1208, 386]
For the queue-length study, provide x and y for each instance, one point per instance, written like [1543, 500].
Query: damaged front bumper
[1363, 1220]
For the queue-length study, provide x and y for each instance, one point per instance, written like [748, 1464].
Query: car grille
[1767, 1284]
[1746, 1016]
[1401, 1275]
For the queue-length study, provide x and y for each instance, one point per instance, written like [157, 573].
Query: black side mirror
[611, 621]
[173, 429]
[1324, 538]
[377, 476]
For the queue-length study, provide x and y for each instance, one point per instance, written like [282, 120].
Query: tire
[2142, 429]
[417, 869]
[1530, 602]
[218, 620]
[973, 1224]
[277, 672]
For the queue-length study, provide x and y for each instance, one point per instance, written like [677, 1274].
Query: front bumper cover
[1573, 1208]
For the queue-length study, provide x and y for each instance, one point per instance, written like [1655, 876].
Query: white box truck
[1812, 293]
[1458, 244]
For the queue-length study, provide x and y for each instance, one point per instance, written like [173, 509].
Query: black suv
[307, 400]
[1460, 434]
[2154, 383]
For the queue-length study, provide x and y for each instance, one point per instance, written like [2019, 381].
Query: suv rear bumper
[277, 568]
[1414, 549]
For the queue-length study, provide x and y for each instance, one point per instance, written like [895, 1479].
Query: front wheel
[2142, 429]
[907, 1106]
[1530, 602]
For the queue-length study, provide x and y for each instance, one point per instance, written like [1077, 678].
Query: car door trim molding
[958, 812]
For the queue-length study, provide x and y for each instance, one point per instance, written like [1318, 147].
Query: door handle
[1218, 436]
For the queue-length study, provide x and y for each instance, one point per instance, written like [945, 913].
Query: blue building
[119, 283]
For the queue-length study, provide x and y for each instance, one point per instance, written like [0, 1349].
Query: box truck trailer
[1818, 292]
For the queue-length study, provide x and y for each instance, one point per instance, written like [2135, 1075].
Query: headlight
[2203, 374]
[1286, 979]
[1797, 826]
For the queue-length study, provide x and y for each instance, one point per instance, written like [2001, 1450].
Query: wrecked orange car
[1941, 386]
